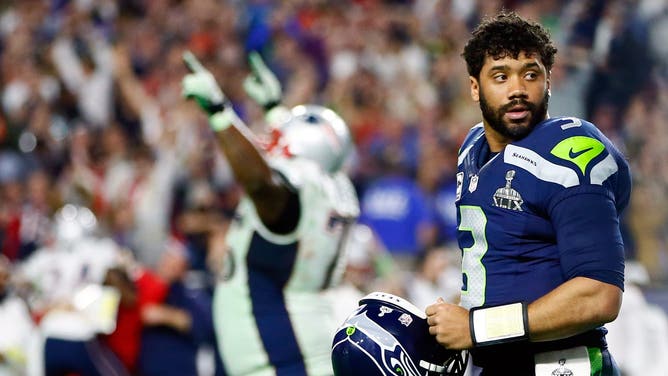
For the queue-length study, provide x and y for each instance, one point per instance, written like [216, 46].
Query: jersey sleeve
[318, 191]
[590, 243]
[297, 173]
[586, 211]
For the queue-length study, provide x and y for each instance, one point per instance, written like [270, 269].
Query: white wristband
[277, 116]
[499, 324]
[222, 120]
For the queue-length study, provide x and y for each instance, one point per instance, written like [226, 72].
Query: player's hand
[449, 323]
[262, 85]
[201, 86]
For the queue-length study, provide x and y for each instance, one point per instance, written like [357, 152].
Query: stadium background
[91, 114]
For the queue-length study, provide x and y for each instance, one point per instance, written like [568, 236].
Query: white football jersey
[271, 314]
[16, 326]
[57, 274]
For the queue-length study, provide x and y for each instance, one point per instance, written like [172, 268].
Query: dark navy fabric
[167, 351]
[269, 268]
[87, 358]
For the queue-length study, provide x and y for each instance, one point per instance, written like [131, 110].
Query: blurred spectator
[148, 188]
[436, 178]
[621, 57]
[125, 339]
[639, 335]
[16, 326]
[437, 274]
[11, 197]
[397, 209]
[40, 203]
[67, 297]
[369, 267]
[83, 62]
[176, 327]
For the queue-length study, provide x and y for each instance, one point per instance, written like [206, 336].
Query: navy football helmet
[387, 335]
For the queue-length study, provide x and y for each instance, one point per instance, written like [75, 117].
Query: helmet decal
[387, 335]
[395, 358]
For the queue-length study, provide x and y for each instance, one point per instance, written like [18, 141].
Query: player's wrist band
[222, 120]
[499, 324]
[271, 104]
[278, 115]
[216, 107]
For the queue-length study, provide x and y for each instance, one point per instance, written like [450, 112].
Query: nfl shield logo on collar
[473, 184]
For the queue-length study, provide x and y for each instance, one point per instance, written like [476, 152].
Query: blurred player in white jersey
[16, 325]
[270, 312]
[67, 295]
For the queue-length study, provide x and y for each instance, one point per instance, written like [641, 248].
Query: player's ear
[549, 84]
[475, 88]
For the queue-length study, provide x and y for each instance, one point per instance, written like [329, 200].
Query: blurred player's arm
[274, 200]
[155, 131]
[131, 89]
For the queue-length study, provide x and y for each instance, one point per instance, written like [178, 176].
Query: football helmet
[314, 132]
[387, 335]
[72, 223]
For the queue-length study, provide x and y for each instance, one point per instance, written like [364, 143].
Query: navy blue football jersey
[542, 211]
[522, 223]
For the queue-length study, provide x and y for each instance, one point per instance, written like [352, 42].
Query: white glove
[201, 86]
[262, 85]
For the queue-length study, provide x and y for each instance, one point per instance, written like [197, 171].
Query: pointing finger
[256, 62]
[192, 63]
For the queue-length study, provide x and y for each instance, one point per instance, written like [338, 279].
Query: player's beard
[514, 130]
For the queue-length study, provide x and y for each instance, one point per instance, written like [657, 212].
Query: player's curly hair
[507, 34]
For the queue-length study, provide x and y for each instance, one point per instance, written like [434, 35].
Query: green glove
[262, 85]
[201, 86]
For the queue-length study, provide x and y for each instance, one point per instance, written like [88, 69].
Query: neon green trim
[579, 150]
[350, 330]
[595, 360]
[474, 220]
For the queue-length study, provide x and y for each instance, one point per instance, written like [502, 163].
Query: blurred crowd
[91, 114]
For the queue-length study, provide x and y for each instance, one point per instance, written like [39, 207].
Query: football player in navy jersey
[538, 207]
[270, 315]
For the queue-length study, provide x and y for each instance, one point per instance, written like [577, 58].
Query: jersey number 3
[473, 220]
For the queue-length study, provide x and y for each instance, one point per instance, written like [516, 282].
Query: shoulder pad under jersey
[567, 151]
